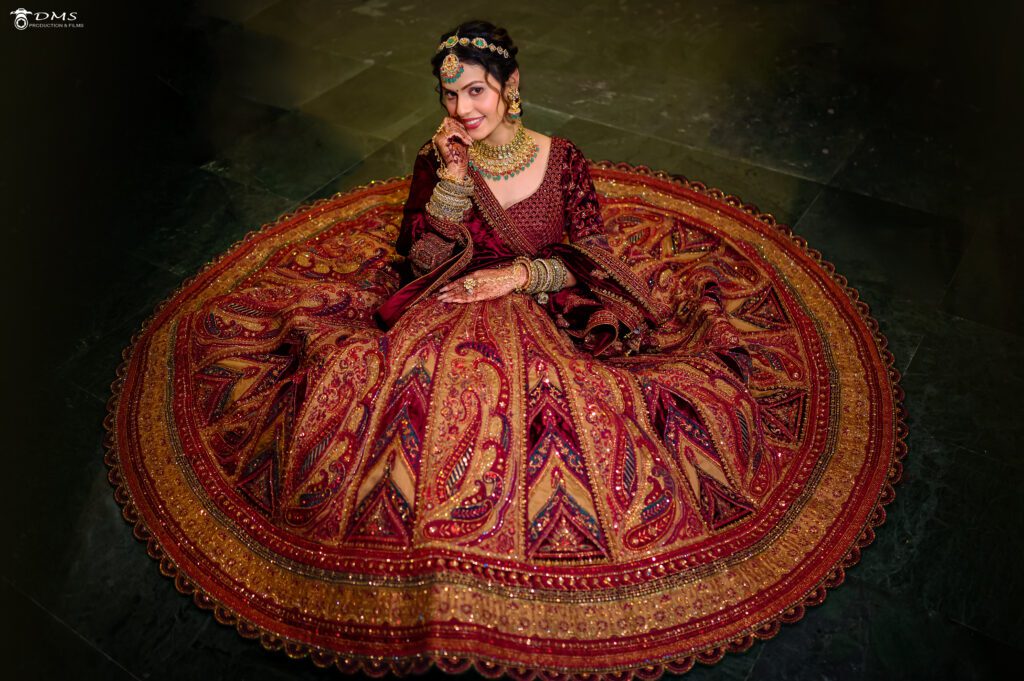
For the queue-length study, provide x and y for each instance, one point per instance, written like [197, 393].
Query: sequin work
[660, 465]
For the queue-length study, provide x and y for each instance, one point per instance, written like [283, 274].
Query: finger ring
[469, 284]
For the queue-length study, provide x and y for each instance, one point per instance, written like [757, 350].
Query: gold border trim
[418, 664]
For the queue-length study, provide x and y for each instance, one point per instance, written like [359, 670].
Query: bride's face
[475, 100]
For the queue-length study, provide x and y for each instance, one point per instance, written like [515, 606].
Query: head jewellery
[451, 68]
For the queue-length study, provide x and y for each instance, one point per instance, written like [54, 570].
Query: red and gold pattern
[469, 487]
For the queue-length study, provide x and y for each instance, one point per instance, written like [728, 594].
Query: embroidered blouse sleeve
[426, 240]
[582, 210]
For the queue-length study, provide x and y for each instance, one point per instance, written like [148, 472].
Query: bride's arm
[427, 240]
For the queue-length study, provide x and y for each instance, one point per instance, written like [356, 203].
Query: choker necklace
[504, 161]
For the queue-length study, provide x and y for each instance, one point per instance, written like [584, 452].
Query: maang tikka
[451, 67]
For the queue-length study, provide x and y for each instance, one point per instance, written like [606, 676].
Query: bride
[520, 424]
[517, 438]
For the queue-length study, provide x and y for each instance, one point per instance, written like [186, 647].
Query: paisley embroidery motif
[471, 483]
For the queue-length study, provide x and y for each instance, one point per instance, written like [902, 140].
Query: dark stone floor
[139, 147]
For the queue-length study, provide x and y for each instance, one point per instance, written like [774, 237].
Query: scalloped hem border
[378, 667]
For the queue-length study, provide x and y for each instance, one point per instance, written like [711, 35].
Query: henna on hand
[452, 141]
[490, 284]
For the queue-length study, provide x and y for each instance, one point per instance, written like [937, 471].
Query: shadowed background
[141, 146]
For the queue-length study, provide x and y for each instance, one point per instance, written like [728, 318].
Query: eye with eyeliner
[473, 91]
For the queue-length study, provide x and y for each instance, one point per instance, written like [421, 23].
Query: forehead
[470, 73]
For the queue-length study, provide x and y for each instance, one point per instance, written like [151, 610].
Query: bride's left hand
[485, 284]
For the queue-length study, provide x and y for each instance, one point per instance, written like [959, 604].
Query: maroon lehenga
[656, 465]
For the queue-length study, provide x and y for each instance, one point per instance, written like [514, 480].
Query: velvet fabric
[594, 324]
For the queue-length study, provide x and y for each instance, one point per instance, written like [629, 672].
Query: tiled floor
[143, 145]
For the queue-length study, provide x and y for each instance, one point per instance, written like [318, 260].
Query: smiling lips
[473, 122]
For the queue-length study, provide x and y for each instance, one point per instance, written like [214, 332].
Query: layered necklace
[504, 161]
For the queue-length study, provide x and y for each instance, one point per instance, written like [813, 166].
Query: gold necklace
[504, 161]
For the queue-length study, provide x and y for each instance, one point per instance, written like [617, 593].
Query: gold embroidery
[626, 277]
[513, 231]
[428, 252]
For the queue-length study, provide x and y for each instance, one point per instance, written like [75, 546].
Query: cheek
[491, 105]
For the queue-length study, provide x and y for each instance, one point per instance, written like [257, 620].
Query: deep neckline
[543, 180]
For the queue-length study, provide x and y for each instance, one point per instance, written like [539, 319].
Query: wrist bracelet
[450, 200]
[542, 275]
[445, 174]
[561, 274]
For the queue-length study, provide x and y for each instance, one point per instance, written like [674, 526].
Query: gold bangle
[454, 188]
[548, 274]
[538, 269]
[446, 207]
[524, 261]
[445, 174]
[561, 274]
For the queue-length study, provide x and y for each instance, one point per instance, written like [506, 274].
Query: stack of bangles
[542, 275]
[450, 199]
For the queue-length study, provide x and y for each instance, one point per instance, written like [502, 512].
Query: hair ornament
[479, 43]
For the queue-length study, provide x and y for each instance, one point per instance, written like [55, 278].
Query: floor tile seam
[142, 308]
[155, 263]
[846, 161]
[238, 141]
[866, 141]
[236, 22]
[100, 401]
[972, 236]
[269, 36]
[68, 627]
[912, 353]
[711, 152]
[795, 225]
[220, 23]
[861, 141]
[904, 603]
[902, 206]
[985, 326]
[309, 197]
[175, 279]
[167, 84]
[749, 676]
[704, 150]
[385, 142]
[1016, 646]
[406, 72]
[367, 67]
[93, 395]
[221, 178]
[918, 430]
[111, 375]
[894, 202]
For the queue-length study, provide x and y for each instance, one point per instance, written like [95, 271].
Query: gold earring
[514, 112]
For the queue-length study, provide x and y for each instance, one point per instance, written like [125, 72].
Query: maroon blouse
[608, 311]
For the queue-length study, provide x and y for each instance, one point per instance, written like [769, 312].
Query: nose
[463, 107]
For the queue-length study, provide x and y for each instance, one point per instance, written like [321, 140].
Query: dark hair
[493, 63]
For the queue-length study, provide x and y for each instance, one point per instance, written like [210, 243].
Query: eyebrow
[464, 86]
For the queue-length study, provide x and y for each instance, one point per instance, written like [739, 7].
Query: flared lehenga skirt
[469, 488]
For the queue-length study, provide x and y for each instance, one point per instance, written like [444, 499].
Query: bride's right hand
[452, 141]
